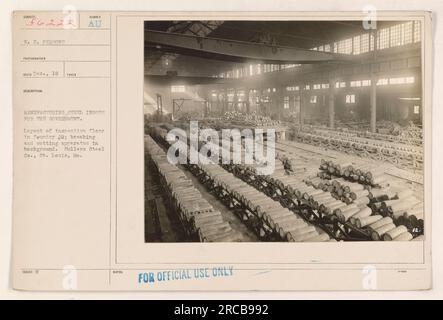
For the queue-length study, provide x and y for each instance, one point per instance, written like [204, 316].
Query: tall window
[345, 46]
[275, 67]
[364, 46]
[356, 83]
[177, 88]
[417, 31]
[286, 102]
[348, 46]
[340, 84]
[259, 69]
[383, 39]
[407, 31]
[401, 80]
[372, 42]
[416, 109]
[382, 82]
[396, 35]
[356, 42]
[397, 81]
[350, 98]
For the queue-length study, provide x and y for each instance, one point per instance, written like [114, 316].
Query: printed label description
[63, 62]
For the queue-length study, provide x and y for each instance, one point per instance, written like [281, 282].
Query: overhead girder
[198, 28]
[236, 51]
[187, 80]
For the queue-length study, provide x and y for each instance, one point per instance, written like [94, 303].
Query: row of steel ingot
[197, 214]
[408, 212]
[368, 174]
[208, 232]
[396, 201]
[271, 212]
[400, 206]
[327, 204]
[383, 228]
[255, 201]
[385, 138]
[284, 221]
[369, 142]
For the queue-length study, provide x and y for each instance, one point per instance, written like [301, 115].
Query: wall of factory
[389, 107]
[355, 106]
[192, 102]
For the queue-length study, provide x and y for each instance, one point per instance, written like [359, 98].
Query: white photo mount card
[217, 151]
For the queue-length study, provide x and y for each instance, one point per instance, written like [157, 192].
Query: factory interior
[344, 101]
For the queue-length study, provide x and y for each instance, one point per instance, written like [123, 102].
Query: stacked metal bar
[413, 135]
[197, 215]
[254, 120]
[273, 218]
[370, 175]
[401, 155]
[401, 206]
[340, 189]
[346, 201]
[292, 192]
[358, 214]
[287, 225]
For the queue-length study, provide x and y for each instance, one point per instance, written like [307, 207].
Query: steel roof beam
[236, 51]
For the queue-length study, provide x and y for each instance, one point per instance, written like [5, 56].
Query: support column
[331, 100]
[373, 93]
[248, 105]
[302, 106]
[277, 104]
[262, 105]
[373, 101]
[224, 101]
[209, 103]
[218, 101]
[235, 101]
[282, 93]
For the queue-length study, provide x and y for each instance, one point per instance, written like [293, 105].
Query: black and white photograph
[283, 131]
[228, 149]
